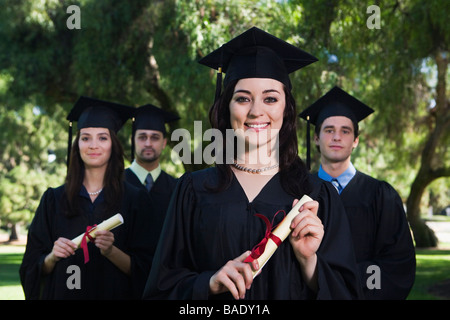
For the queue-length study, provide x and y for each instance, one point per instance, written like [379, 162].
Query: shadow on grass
[432, 270]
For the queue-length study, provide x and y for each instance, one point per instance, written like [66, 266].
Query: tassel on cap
[218, 84]
[69, 144]
[133, 132]
[308, 144]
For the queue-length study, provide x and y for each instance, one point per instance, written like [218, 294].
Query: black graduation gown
[381, 236]
[204, 230]
[160, 195]
[99, 278]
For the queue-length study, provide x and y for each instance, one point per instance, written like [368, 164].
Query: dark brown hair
[293, 171]
[113, 179]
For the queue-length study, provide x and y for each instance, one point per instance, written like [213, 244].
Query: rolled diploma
[108, 224]
[281, 231]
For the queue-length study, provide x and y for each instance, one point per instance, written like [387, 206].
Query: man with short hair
[380, 231]
[148, 142]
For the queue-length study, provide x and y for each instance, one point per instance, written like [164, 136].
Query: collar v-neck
[261, 192]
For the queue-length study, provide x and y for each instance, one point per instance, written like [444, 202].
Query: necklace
[95, 193]
[254, 171]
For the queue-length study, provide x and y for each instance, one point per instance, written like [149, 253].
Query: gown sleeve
[172, 275]
[394, 252]
[39, 244]
[140, 245]
[336, 262]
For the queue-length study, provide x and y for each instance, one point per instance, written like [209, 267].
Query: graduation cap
[335, 102]
[150, 117]
[256, 54]
[90, 112]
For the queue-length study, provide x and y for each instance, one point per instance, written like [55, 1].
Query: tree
[430, 17]
[26, 169]
[138, 52]
[385, 68]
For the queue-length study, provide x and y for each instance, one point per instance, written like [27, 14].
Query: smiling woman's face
[257, 108]
[95, 146]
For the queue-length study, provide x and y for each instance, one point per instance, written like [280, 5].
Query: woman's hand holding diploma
[235, 276]
[307, 234]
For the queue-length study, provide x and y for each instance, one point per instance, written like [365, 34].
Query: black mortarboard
[90, 112]
[150, 117]
[335, 102]
[256, 54]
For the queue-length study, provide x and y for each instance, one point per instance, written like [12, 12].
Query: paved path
[441, 229]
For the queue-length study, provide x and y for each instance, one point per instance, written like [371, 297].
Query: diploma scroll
[282, 231]
[108, 224]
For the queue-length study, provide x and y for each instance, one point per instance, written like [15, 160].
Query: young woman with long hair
[214, 218]
[116, 263]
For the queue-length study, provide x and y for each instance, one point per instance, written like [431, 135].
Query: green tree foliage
[146, 51]
[389, 68]
[32, 160]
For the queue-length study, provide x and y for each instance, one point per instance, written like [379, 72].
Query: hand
[235, 276]
[104, 240]
[62, 248]
[307, 231]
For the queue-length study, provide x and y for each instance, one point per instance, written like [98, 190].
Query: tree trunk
[430, 167]
[155, 89]
[423, 235]
[13, 235]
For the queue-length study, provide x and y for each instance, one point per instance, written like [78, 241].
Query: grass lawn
[433, 267]
[10, 260]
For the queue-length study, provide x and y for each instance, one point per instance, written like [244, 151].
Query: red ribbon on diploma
[258, 250]
[83, 244]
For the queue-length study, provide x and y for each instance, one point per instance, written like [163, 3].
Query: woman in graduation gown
[117, 262]
[211, 223]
